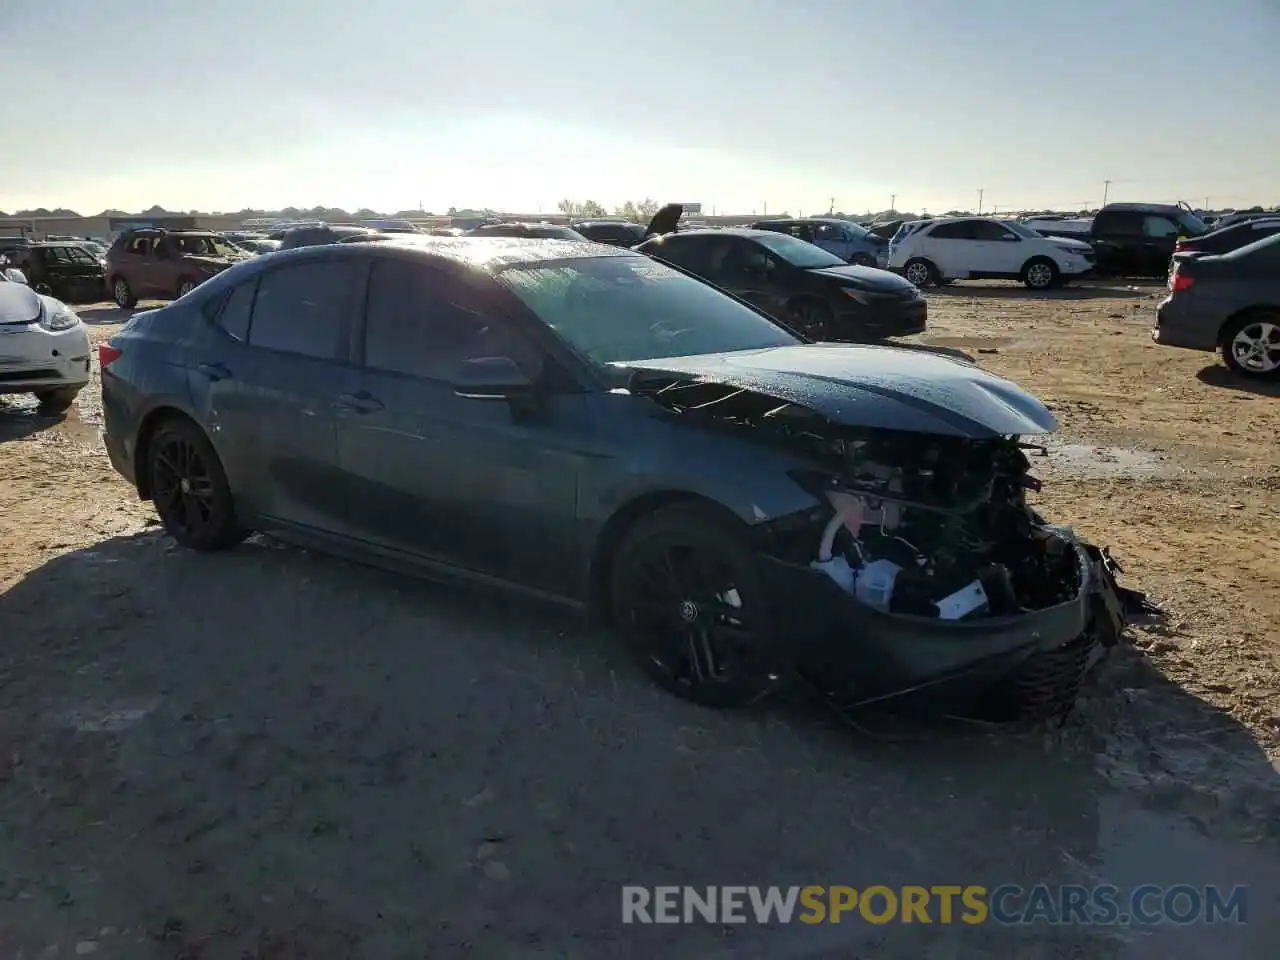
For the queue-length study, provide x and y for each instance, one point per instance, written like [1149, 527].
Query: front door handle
[361, 402]
[214, 371]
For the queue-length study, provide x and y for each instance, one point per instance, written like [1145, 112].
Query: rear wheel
[57, 400]
[920, 272]
[686, 596]
[123, 294]
[190, 489]
[810, 317]
[1251, 345]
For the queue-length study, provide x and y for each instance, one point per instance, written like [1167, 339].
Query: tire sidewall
[796, 307]
[690, 525]
[1229, 334]
[1054, 273]
[225, 530]
[127, 300]
[930, 272]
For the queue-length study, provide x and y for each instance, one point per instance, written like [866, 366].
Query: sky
[744, 106]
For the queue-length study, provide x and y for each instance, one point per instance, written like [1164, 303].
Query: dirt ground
[273, 754]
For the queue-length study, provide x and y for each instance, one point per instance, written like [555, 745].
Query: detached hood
[868, 278]
[665, 220]
[884, 388]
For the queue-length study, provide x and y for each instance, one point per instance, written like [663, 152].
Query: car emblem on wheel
[688, 611]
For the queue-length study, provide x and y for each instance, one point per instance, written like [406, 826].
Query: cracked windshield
[684, 481]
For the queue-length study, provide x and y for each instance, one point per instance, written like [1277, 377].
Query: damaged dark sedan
[587, 424]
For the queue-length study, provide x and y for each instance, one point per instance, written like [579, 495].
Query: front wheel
[687, 598]
[57, 400]
[920, 272]
[190, 489]
[1040, 274]
[1251, 345]
[185, 286]
[123, 294]
[862, 260]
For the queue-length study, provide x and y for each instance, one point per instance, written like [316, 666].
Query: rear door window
[303, 308]
[1159, 228]
[1119, 223]
[233, 314]
[957, 230]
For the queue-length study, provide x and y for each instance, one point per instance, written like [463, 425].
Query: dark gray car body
[534, 493]
[1224, 288]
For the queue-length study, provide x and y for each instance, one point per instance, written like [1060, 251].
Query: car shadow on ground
[1216, 375]
[270, 743]
[20, 417]
[1077, 291]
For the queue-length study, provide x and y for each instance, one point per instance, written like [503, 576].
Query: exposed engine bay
[928, 534]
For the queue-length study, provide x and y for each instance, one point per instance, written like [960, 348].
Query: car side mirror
[491, 378]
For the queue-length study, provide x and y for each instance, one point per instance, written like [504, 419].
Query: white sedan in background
[44, 348]
[980, 248]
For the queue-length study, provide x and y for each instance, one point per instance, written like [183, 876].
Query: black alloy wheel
[686, 597]
[190, 490]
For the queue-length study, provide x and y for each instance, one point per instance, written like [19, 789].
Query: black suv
[812, 291]
[66, 271]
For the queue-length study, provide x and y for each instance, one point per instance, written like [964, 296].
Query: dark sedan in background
[537, 231]
[804, 286]
[587, 424]
[1227, 302]
[66, 271]
[1230, 238]
[616, 233]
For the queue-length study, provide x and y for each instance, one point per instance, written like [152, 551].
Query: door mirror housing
[491, 378]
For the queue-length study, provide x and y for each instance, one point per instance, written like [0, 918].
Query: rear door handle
[214, 371]
[361, 402]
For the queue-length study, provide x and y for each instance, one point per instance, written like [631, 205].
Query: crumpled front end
[928, 582]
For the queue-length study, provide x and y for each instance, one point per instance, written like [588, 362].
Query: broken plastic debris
[838, 569]
[963, 602]
[874, 584]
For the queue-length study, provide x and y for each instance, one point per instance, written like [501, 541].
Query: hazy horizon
[734, 105]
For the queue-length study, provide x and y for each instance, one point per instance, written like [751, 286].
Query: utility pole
[893, 199]
[980, 192]
[832, 209]
[1106, 187]
[766, 208]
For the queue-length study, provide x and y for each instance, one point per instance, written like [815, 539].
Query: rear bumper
[1177, 325]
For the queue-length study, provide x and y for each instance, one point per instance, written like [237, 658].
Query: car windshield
[209, 246]
[856, 231]
[797, 252]
[619, 309]
[1021, 229]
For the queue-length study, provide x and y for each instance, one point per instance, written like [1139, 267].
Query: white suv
[977, 248]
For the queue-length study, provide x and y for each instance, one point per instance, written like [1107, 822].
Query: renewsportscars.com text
[944, 904]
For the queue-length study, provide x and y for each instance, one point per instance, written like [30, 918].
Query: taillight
[1180, 246]
[1180, 281]
[107, 355]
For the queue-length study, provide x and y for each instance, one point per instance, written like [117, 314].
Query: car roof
[748, 232]
[489, 253]
[1146, 207]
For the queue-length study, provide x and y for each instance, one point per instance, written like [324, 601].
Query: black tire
[921, 272]
[123, 294]
[185, 286]
[42, 287]
[57, 400]
[862, 260]
[673, 585]
[1040, 273]
[809, 316]
[1259, 327]
[189, 488]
